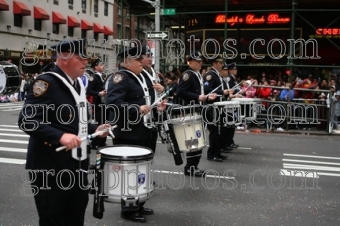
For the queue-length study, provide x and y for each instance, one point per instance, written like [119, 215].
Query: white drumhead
[231, 102]
[125, 151]
[246, 99]
[3, 80]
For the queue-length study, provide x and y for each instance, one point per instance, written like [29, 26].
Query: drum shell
[228, 114]
[120, 173]
[248, 107]
[10, 78]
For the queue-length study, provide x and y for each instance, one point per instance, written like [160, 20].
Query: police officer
[128, 88]
[55, 122]
[232, 69]
[190, 89]
[96, 89]
[154, 87]
[212, 81]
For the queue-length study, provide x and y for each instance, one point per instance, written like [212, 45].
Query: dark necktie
[75, 85]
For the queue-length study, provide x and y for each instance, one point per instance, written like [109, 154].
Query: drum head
[126, 153]
[10, 78]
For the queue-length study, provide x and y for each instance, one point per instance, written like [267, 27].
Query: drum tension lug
[130, 201]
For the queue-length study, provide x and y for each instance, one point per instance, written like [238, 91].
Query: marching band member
[213, 80]
[232, 69]
[96, 89]
[129, 87]
[59, 88]
[155, 90]
[190, 89]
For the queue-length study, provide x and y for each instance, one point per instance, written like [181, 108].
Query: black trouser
[229, 136]
[57, 207]
[192, 162]
[215, 141]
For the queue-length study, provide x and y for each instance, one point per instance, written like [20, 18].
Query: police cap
[225, 67]
[96, 62]
[71, 46]
[217, 58]
[134, 52]
[49, 67]
[195, 56]
[232, 66]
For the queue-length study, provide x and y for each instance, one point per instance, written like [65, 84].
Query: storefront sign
[15, 54]
[326, 33]
[272, 18]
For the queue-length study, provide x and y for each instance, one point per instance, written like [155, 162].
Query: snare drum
[248, 107]
[229, 113]
[187, 125]
[127, 172]
[9, 78]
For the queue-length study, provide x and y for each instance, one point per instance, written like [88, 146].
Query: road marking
[312, 156]
[11, 130]
[14, 141]
[21, 150]
[12, 161]
[311, 167]
[12, 109]
[299, 173]
[246, 148]
[315, 162]
[12, 126]
[13, 135]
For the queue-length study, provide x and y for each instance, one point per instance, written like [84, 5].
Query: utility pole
[157, 5]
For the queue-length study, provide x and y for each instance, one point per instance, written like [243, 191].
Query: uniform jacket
[95, 86]
[125, 90]
[212, 80]
[45, 127]
[189, 87]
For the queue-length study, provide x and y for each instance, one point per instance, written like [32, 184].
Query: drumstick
[90, 136]
[214, 90]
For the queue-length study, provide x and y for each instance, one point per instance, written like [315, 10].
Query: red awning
[57, 18]
[40, 13]
[21, 8]
[97, 28]
[85, 25]
[108, 31]
[72, 22]
[3, 5]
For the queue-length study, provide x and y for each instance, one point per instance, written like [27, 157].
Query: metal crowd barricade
[298, 113]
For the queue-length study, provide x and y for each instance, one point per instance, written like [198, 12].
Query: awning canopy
[72, 22]
[57, 18]
[85, 25]
[108, 31]
[97, 28]
[3, 5]
[21, 8]
[40, 13]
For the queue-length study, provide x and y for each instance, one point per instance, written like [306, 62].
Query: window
[127, 32]
[18, 20]
[70, 4]
[83, 33]
[95, 36]
[119, 11]
[37, 24]
[83, 6]
[55, 28]
[95, 6]
[106, 9]
[127, 14]
[119, 31]
[70, 31]
[56, 2]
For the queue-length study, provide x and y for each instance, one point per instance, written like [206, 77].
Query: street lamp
[157, 5]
